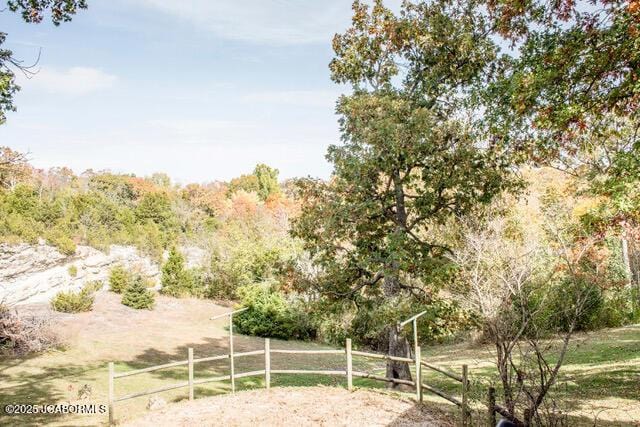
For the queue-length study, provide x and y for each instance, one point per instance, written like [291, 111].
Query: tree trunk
[398, 345]
[626, 261]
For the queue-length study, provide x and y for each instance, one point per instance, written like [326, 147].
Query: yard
[601, 378]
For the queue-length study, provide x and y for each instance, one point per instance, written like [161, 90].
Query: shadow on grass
[26, 387]
[575, 385]
[623, 382]
[219, 347]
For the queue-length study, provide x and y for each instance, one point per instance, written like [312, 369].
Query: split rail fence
[191, 382]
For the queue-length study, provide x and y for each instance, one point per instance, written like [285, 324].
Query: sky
[200, 89]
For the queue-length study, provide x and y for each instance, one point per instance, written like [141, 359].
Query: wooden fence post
[267, 363]
[232, 368]
[418, 375]
[111, 414]
[190, 374]
[465, 387]
[349, 366]
[491, 407]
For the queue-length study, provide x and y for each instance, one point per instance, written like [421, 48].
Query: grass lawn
[602, 375]
[599, 381]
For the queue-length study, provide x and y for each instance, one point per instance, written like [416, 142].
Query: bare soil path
[299, 406]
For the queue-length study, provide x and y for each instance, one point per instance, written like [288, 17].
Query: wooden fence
[267, 372]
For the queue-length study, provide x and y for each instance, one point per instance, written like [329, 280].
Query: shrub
[249, 262]
[27, 229]
[72, 270]
[119, 279]
[20, 335]
[62, 241]
[270, 314]
[559, 302]
[73, 302]
[367, 324]
[137, 295]
[94, 285]
[154, 206]
[617, 308]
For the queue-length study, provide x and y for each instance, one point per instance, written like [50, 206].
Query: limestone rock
[35, 273]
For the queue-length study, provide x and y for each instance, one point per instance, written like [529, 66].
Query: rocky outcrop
[35, 273]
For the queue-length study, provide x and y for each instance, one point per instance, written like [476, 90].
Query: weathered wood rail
[191, 382]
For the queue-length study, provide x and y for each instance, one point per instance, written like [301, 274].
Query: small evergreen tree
[176, 280]
[119, 279]
[137, 295]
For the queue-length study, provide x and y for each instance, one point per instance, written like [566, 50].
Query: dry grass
[300, 406]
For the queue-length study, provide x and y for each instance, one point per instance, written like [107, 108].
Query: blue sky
[200, 89]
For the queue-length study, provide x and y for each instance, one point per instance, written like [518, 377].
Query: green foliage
[177, 280]
[74, 302]
[94, 285]
[410, 162]
[618, 309]
[72, 270]
[102, 209]
[107, 213]
[367, 326]
[7, 86]
[567, 97]
[138, 296]
[567, 298]
[558, 83]
[155, 207]
[247, 262]
[115, 188]
[596, 308]
[271, 314]
[248, 183]
[119, 279]
[263, 181]
[34, 11]
[62, 241]
[267, 181]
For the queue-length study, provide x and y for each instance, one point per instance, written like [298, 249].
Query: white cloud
[264, 21]
[300, 98]
[72, 81]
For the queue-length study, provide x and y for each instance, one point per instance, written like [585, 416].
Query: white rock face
[35, 273]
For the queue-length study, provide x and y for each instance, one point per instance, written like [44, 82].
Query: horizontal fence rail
[151, 369]
[383, 356]
[267, 372]
[442, 371]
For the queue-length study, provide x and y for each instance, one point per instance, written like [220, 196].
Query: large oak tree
[410, 160]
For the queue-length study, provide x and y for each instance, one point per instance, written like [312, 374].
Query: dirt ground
[172, 322]
[300, 406]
